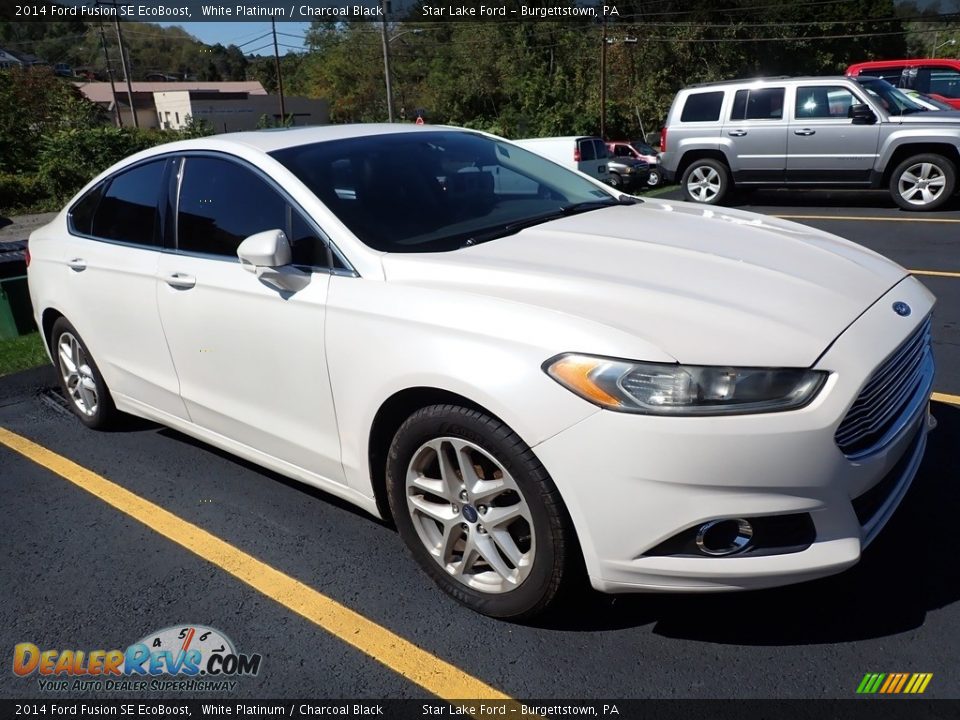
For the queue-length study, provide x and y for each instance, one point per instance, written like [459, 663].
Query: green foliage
[195, 128]
[70, 158]
[543, 77]
[19, 192]
[33, 104]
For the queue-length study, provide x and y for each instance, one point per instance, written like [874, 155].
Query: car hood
[704, 285]
[933, 117]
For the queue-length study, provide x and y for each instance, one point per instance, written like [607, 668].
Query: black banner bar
[872, 708]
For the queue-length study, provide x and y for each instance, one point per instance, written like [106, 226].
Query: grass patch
[22, 353]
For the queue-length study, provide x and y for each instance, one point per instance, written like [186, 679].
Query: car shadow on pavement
[313, 492]
[909, 570]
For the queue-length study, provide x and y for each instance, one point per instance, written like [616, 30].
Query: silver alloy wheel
[921, 183]
[78, 378]
[653, 179]
[703, 184]
[470, 515]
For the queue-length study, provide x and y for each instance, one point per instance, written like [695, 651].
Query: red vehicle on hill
[937, 77]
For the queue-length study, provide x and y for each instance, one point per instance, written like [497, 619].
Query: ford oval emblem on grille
[901, 308]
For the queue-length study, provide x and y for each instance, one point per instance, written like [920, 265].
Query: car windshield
[893, 100]
[643, 148]
[433, 191]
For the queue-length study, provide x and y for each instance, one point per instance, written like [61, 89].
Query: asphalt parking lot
[336, 608]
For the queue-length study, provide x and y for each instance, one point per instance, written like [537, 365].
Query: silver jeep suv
[825, 132]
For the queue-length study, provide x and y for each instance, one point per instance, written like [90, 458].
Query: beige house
[233, 111]
[227, 105]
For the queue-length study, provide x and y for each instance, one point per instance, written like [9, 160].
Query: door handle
[805, 131]
[737, 133]
[77, 264]
[180, 280]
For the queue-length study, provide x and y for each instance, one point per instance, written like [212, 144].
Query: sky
[245, 34]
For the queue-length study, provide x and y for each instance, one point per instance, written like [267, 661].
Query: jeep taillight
[663, 139]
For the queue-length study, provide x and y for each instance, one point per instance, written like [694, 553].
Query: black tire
[939, 169]
[550, 535]
[715, 181]
[615, 180]
[653, 179]
[104, 413]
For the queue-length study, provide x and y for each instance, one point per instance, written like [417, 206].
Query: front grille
[889, 398]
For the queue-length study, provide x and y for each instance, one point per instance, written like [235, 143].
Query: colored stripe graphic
[894, 683]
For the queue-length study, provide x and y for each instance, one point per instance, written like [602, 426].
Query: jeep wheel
[923, 182]
[706, 182]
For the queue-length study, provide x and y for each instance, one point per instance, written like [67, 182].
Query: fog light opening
[724, 537]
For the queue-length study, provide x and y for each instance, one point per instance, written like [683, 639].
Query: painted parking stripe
[945, 398]
[400, 655]
[870, 218]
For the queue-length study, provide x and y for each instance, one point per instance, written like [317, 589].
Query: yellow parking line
[869, 218]
[935, 273]
[945, 398]
[402, 656]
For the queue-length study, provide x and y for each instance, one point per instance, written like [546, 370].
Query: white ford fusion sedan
[529, 372]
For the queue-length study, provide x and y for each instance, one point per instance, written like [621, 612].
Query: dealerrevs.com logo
[186, 658]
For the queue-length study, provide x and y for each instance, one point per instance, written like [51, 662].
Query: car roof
[779, 78]
[279, 138]
[914, 62]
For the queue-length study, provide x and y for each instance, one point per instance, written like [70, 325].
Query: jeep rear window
[702, 107]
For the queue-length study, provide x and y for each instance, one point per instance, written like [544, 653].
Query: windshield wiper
[516, 226]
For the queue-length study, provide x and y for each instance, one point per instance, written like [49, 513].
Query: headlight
[661, 389]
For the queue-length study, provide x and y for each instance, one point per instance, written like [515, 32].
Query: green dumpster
[8, 325]
[16, 313]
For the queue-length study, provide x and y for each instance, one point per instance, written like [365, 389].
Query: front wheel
[478, 511]
[653, 179]
[706, 182]
[923, 182]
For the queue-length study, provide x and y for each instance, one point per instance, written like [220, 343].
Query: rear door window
[702, 107]
[890, 74]
[588, 150]
[127, 211]
[760, 104]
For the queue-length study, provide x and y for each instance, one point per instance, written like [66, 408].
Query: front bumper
[632, 482]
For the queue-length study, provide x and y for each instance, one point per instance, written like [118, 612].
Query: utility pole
[124, 61]
[113, 87]
[603, 79]
[276, 57]
[386, 59]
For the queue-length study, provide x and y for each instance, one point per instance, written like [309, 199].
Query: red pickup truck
[937, 77]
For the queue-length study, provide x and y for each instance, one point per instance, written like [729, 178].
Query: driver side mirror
[268, 254]
[861, 114]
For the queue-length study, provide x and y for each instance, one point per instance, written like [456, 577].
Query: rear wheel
[923, 182]
[706, 181]
[615, 180]
[80, 378]
[478, 511]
